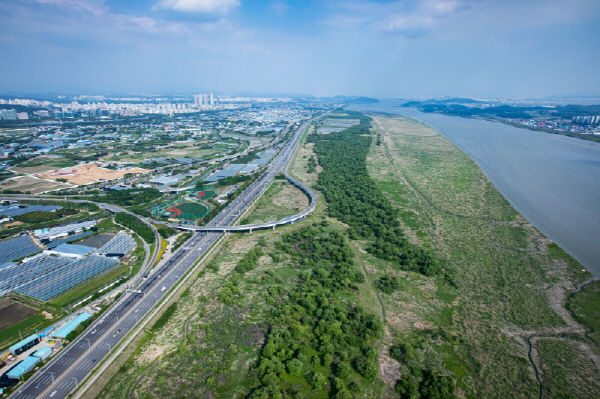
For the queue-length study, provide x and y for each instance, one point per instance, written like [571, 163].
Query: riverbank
[550, 179]
[506, 331]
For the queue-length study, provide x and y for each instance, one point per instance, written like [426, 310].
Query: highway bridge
[96, 346]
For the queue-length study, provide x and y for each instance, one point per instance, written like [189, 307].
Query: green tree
[318, 380]
[407, 387]
[294, 367]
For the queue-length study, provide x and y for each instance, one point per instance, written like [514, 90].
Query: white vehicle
[162, 289]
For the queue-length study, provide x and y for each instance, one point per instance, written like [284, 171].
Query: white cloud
[198, 6]
[96, 7]
[279, 7]
[418, 20]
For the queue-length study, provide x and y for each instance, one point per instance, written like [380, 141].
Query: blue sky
[476, 48]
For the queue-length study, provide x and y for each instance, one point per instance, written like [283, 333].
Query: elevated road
[71, 366]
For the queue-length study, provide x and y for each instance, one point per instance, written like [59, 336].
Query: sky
[386, 48]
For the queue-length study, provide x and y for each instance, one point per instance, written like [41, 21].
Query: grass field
[281, 199]
[41, 164]
[12, 334]
[512, 286]
[193, 208]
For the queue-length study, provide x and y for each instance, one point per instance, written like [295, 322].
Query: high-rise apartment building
[203, 99]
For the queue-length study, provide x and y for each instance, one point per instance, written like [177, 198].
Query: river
[552, 180]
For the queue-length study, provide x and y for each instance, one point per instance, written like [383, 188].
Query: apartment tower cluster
[204, 99]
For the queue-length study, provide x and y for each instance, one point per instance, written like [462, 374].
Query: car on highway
[116, 332]
[53, 393]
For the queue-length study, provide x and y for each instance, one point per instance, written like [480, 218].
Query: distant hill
[442, 102]
[459, 101]
[355, 99]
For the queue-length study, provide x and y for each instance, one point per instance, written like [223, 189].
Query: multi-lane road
[72, 365]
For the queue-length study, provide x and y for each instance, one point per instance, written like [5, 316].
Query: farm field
[181, 152]
[42, 164]
[32, 184]
[12, 312]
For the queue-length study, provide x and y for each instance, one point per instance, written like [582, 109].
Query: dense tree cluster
[420, 383]
[37, 217]
[315, 338]
[165, 231]
[43, 216]
[388, 284]
[133, 196]
[164, 318]
[249, 261]
[353, 198]
[135, 224]
[311, 165]
[502, 111]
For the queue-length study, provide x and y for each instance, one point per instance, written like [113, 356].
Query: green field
[193, 208]
[510, 279]
[281, 199]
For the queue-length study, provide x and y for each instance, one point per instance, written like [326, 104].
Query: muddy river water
[552, 180]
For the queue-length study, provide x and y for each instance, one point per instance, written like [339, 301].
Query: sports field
[193, 208]
[189, 210]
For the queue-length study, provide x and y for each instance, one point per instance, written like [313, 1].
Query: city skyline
[373, 48]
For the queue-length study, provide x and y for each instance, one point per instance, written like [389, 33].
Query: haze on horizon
[496, 48]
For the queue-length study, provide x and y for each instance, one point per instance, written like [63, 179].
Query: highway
[72, 365]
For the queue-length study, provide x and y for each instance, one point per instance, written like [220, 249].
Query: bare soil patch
[88, 173]
[12, 312]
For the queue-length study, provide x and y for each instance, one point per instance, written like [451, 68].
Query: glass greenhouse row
[15, 276]
[17, 248]
[67, 277]
[119, 245]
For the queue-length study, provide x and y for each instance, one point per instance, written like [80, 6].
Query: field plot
[88, 173]
[511, 287]
[281, 199]
[182, 210]
[41, 164]
[32, 184]
[12, 312]
[97, 241]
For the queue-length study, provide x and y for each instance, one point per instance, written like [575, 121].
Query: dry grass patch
[32, 184]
